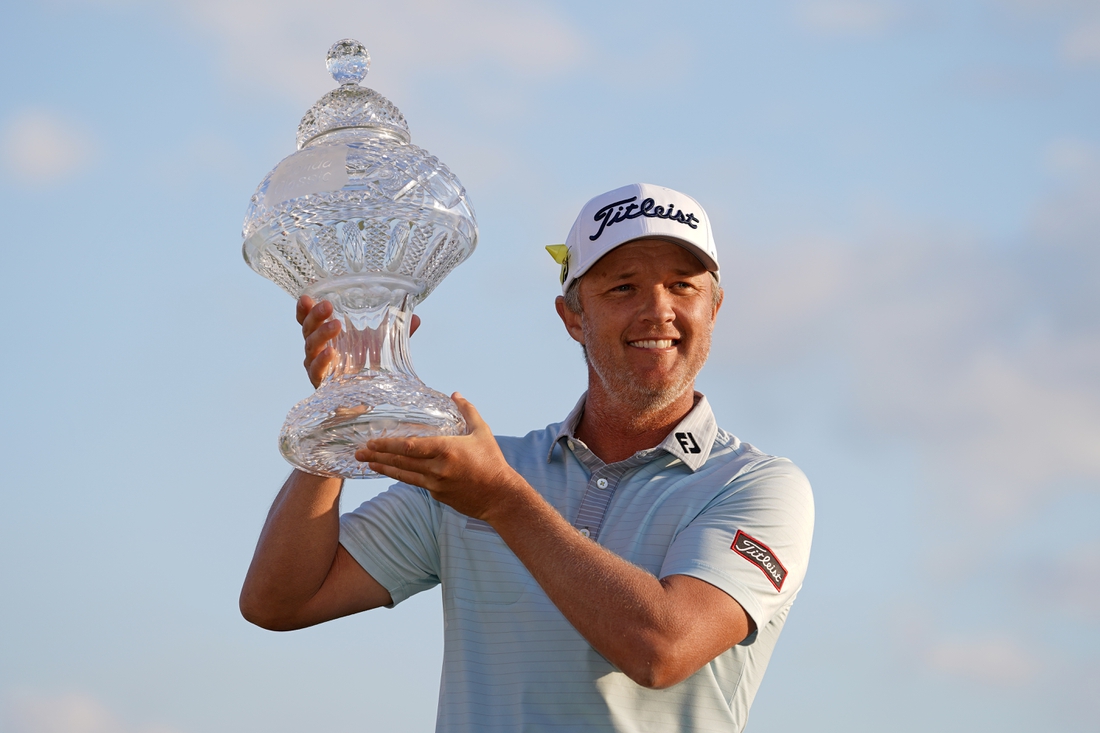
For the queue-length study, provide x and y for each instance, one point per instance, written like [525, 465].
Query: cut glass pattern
[365, 219]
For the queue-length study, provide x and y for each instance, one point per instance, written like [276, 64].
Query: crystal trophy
[366, 220]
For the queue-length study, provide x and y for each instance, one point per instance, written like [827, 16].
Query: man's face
[647, 312]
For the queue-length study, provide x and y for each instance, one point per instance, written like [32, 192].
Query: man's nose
[658, 306]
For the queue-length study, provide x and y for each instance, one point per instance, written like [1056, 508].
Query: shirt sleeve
[752, 541]
[394, 537]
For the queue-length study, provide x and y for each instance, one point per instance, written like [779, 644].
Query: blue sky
[906, 198]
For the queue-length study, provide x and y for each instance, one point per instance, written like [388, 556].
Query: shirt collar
[690, 441]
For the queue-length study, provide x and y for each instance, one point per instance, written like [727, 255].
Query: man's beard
[646, 399]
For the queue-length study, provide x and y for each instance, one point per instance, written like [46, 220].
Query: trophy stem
[372, 390]
[374, 336]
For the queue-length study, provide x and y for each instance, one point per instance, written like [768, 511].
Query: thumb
[474, 422]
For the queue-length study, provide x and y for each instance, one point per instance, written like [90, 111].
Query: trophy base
[323, 431]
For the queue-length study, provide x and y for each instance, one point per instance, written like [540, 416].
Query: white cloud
[1068, 583]
[849, 17]
[1004, 81]
[988, 377]
[40, 148]
[64, 713]
[271, 49]
[1082, 44]
[997, 661]
[275, 44]
[1079, 21]
[780, 300]
[1000, 434]
[981, 357]
[1072, 156]
[1070, 222]
[1050, 7]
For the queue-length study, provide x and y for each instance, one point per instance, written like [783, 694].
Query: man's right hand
[300, 574]
[318, 333]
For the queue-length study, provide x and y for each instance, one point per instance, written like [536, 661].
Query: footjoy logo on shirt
[687, 442]
[626, 209]
[759, 555]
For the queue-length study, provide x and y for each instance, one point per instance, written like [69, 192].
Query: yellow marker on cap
[560, 253]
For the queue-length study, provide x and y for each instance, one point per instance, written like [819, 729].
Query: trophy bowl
[362, 218]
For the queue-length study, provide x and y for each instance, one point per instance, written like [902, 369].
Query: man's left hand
[658, 632]
[466, 472]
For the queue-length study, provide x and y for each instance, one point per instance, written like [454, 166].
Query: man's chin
[647, 396]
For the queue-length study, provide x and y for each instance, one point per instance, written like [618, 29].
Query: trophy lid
[357, 199]
[350, 105]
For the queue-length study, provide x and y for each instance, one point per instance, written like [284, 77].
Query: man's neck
[614, 430]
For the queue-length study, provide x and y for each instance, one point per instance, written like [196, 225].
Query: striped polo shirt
[702, 503]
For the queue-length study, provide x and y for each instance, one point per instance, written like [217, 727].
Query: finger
[474, 421]
[420, 448]
[318, 340]
[317, 315]
[305, 303]
[319, 367]
[414, 324]
[408, 477]
[421, 466]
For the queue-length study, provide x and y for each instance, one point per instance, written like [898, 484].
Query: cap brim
[705, 259]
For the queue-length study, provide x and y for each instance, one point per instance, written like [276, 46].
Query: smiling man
[627, 569]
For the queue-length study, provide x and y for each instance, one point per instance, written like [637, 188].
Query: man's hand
[658, 632]
[318, 332]
[466, 472]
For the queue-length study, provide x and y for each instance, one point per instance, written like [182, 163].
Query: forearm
[626, 614]
[296, 550]
[657, 631]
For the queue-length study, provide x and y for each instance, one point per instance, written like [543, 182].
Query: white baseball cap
[637, 211]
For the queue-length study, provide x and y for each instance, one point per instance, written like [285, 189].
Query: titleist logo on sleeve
[761, 556]
[626, 209]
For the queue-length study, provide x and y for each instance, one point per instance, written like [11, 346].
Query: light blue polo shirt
[702, 504]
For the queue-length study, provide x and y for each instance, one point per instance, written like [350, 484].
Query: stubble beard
[646, 400]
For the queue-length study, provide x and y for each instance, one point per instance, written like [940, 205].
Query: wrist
[514, 501]
[315, 484]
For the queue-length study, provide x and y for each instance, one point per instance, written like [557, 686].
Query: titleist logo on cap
[629, 213]
[629, 210]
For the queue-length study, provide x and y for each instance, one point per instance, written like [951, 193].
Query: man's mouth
[654, 343]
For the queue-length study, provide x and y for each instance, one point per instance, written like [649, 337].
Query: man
[627, 569]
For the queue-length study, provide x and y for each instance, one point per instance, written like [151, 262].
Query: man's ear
[571, 320]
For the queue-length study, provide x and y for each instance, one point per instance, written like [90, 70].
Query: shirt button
[585, 532]
[602, 483]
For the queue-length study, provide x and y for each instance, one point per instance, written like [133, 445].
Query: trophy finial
[350, 105]
[348, 61]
